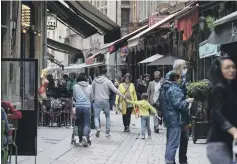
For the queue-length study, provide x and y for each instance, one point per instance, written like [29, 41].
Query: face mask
[184, 72]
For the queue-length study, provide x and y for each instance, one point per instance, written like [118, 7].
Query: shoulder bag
[120, 102]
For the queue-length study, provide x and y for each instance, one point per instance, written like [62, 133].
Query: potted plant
[200, 123]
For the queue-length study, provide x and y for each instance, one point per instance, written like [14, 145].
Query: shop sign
[51, 21]
[207, 49]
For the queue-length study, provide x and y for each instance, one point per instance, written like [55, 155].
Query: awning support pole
[163, 71]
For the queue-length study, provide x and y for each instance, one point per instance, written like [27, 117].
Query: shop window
[106, 12]
[125, 13]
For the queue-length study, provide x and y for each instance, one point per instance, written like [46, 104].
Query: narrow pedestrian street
[121, 148]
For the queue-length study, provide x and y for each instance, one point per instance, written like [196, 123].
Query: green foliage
[210, 22]
[198, 90]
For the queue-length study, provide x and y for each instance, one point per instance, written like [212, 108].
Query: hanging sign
[51, 21]
[207, 49]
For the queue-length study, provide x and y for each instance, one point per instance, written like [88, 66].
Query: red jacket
[12, 113]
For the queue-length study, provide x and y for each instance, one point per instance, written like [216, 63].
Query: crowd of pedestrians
[165, 98]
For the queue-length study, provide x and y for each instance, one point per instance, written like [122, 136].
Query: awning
[225, 30]
[151, 59]
[101, 21]
[52, 59]
[91, 59]
[135, 40]
[94, 65]
[78, 24]
[110, 47]
[207, 49]
[57, 46]
[78, 68]
[75, 68]
[166, 60]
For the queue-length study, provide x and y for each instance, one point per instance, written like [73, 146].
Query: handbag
[120, 106]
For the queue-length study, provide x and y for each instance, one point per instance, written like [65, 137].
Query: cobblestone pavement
[121, 148]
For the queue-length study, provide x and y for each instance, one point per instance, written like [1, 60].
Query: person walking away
[145, 109]
[127, 88]
[153, 92]
[82, 93]
[223, 102]
[174, 105]
[101, 87]
[180, 67]
[142, 86]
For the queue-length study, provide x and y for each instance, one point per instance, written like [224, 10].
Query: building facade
[59, 34]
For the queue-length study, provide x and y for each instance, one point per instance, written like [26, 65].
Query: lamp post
[202, 21]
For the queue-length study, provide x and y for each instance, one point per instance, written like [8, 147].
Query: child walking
[145, 109]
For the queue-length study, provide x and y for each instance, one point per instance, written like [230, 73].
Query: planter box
[199, 130]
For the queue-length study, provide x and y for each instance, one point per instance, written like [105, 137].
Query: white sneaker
[80, 143]
[161, 127]
[107, 135]
[84, 141]
[97, 133]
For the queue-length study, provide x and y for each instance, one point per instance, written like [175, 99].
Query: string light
[25, 16]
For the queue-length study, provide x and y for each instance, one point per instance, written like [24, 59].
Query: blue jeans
[172, 144]
[145, 123]
[105, 105]
[219, 152]
[83, 116]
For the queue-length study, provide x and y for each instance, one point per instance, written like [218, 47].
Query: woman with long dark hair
[223, 103]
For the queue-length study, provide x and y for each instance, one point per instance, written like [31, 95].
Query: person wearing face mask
[179, 67]
[153, 92]
[223, 103]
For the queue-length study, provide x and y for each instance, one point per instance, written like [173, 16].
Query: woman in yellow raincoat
[127, 88]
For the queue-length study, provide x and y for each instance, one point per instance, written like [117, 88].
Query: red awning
[186, 23]
[91, 59]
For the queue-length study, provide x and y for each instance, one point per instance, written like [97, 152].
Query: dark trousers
[183, 146]
[127, 117]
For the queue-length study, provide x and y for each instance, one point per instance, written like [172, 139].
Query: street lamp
[202, 21]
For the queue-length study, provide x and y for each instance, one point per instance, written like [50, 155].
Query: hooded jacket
[144, 107]
[101, 87]
[87, 89]
[173, 105]
[185, 118]
[81, 95]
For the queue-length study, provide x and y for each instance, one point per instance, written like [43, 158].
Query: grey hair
[178, 64]
[157, 73]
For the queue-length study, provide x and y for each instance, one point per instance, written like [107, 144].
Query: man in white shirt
[153, 91]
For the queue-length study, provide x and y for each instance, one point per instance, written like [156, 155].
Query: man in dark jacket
[142, 86]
